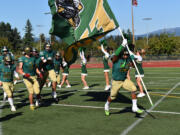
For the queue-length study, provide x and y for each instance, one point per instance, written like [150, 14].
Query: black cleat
[56, 100]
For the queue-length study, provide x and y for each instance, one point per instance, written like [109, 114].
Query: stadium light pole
[147, 36]
[39, 27]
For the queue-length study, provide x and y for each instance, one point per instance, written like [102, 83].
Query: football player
[47, 56]
[27, 68]
[7, 69]
[121, 78]
[57, 67]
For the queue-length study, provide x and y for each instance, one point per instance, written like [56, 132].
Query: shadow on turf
[102, 97]
[74, 84]
[62, 96]
[10, 116]
[93, 85]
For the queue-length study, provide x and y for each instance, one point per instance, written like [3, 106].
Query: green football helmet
[4, 50]
[27, 50]
[7, 59]
[47, 46]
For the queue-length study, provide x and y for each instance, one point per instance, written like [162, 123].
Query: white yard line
[112, 108]
[126, 131]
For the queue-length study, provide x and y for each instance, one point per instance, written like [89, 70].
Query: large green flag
[79, 22]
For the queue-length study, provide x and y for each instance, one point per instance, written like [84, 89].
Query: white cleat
[59, 86]
[86, 88]
[137, 110]
[13, 109]
[140, 95]
[68, 86]
[107, 87]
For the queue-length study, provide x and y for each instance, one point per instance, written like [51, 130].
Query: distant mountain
[175, 31]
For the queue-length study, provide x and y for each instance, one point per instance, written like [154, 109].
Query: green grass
[81, 111]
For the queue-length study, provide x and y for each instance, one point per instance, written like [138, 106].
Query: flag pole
[132, 14]
[137, 70]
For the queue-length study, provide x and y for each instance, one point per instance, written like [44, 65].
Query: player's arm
[118, 51]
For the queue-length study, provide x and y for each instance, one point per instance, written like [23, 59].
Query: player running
[27, 68]
[121, 78]
[7, 69]
[57, 61]
[47, 57]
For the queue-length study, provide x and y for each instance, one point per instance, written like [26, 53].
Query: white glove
[44, 61]
[107, 56]
[49, 58]
[131, 53]
[124, 43]
[84, 61]
[64, 63]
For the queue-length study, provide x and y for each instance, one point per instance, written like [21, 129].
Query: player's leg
[106, 75]
[52, 76]
[138, 81]
[8, 88]
[83, 79]
[116, 85]
[30, 89]
[129, 85]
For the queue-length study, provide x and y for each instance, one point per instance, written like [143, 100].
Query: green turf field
[81, 112]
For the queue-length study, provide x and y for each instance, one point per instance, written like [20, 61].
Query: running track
[173, 63]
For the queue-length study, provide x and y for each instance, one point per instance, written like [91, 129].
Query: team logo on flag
[70, 10]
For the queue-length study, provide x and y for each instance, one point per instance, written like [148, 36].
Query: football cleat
[107, 87]
[107, 113]
[59, 86]
[137, 110]
[86, 88]
[141, 95]
[68, 86]
[32, 107]
[13, 109]
[56, 100]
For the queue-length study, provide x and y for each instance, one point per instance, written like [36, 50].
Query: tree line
[163, 44]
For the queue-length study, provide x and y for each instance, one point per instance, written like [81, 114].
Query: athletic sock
[134, 103]
[10, 101]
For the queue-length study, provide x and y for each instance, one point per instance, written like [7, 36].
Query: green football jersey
[29, 65]
[57, 64]
[120, 69]
[7, 72]
[49, 56]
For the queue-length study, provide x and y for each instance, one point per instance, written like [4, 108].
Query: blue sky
[164, 14]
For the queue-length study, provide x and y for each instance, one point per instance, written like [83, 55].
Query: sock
[134, 103]
[5, 95]
[54, 94]
[10, 101]
[107, 106]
